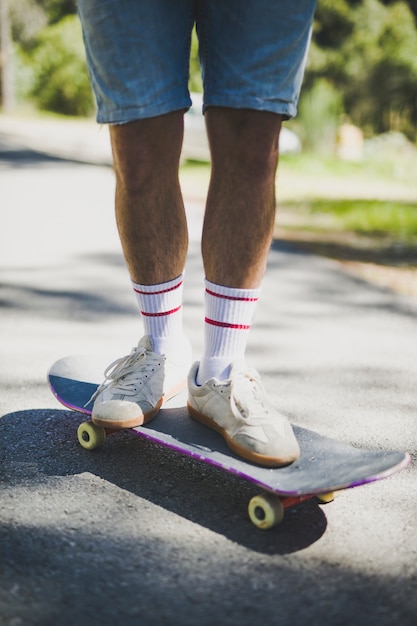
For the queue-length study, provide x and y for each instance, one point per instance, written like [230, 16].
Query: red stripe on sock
[161, 314]
[155, 293]
[226, 325]
[219, 295]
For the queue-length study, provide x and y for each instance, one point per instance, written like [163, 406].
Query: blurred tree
[392, 76]
[58, 9]
[367, 50]
[6, 58]
[195, 82]
[321, 110]
[412, 4]
[28, 18]
[60, 79]
[20, 23]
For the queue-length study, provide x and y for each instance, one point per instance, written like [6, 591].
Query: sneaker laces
[122, 374]
[248, 393]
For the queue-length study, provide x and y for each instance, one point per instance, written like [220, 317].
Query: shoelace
[122, 373]
[247, 390]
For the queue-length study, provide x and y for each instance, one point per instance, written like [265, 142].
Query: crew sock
[161, 310]
[229, 314]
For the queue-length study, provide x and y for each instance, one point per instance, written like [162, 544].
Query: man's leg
[149, 207]
[151, 221]
[238, 227]
[138, 58]
[153, 232]
[240, 208]
[252, 56]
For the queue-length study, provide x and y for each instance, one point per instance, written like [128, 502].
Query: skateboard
[325, 466]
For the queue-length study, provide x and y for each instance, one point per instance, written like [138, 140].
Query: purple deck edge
[349, 485]
[74, 408]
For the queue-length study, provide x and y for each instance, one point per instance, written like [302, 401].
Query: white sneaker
[238, 408]
[137, 385]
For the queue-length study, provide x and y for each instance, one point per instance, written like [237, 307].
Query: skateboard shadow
[38, 445]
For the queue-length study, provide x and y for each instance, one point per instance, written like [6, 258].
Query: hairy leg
[149, 207]
[240, 210]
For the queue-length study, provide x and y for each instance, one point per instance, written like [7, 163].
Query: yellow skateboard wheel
[91, 436]
[266, 511]
[324, 498]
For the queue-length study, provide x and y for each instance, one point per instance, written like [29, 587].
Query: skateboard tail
[340, 486]
[381, 475]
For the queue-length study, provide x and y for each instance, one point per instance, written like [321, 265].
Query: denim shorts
[252, 54]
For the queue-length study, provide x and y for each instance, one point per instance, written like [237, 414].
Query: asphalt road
[135, 534]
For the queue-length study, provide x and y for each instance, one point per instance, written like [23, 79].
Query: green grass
[375, 218]
[376, 197]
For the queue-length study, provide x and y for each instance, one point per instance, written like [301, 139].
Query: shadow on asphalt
[380, 253]
[344, 292]
[43, 443]
[13, 157]
[81, 578]
[74, 304]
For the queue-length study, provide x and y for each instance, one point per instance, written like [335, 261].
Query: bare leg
[238, 228]
[149, 206]
[240, 209]
[153, 232]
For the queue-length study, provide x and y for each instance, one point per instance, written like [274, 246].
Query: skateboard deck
[324, 467]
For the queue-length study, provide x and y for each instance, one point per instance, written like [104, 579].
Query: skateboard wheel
[265, 511]
[91, 436]
[324, 498]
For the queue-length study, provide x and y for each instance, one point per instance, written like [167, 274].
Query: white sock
[161, 310]
[229, 314]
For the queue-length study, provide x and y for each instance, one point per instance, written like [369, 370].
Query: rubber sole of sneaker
[253, 457]
[132, 422]
[141, 418]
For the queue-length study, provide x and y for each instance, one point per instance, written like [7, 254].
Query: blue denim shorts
[252, 54]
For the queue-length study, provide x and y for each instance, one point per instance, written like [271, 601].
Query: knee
[246, 138]
[259, 159]
[133, 171]
[146, 151]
